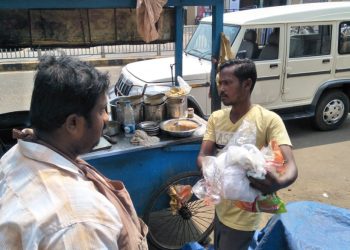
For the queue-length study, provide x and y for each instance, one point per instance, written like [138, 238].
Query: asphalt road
[16, 88]
[323, 161]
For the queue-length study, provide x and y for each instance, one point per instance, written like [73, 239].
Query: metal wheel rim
[186, 230]
[333, 111]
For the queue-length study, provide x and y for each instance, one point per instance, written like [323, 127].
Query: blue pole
[178, 41]
[217, 28]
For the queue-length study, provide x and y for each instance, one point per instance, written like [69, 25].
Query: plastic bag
[179, 195]
[225, 176]
[270, 203]
[247, 157]
[184, 85]
[209, 188]
[274, 157]
[239, 162]
[246, 134]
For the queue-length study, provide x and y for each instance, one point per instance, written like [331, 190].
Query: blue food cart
[149, 172]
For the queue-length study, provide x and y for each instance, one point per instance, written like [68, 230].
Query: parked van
[302, 55]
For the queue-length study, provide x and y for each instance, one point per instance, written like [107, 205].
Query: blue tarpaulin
[306, 225]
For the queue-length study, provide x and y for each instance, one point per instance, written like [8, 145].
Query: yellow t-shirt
[220, 129]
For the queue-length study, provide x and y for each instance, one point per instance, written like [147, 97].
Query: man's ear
[74, 124]
[248, 83]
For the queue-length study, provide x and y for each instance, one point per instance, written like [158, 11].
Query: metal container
[155, 108]
[176, 107]
[112, 128]
[156, 113]
[118, 105]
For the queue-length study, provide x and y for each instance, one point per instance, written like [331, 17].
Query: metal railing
[98, 51]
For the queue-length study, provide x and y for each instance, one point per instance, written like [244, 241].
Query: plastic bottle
[129, 120]
[190, 113]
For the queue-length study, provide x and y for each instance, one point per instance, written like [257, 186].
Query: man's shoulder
[221, 113]
[264, 112]
[52, 188]
[10, 155]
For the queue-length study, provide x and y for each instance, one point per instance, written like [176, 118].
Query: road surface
[16, 88]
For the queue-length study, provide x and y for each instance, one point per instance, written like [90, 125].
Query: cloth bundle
[148, 13]
[142, 138]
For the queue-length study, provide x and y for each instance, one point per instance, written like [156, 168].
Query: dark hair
[64, 86]
[245, 69]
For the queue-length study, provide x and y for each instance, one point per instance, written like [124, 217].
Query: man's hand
[273, 180]
[270, 184]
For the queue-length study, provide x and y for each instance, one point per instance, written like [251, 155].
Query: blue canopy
[306, 225]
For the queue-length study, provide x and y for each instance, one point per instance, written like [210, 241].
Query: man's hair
[243, 70]
[64, 86]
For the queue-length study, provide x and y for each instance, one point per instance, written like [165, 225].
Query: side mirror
[241, 54]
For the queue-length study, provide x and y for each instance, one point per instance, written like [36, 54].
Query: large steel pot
[118, 105]
[176, 107]
[155, 108]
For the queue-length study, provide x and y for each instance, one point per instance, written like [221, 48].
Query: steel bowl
[168, 124]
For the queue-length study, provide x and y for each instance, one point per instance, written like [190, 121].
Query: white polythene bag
[234, 182]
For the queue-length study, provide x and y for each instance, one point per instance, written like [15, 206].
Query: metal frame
[217, 26]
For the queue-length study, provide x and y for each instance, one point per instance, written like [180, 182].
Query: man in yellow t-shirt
[234, 228]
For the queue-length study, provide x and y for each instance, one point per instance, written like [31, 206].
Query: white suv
[302, 55]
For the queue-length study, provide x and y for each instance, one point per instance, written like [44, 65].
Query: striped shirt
[47, 203]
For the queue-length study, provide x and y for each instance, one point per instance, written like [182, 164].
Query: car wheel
[331, 111]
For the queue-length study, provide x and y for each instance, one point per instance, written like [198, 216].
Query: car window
[267, 43]
[344, 38]
[200, 44]
[310, 40]
[249, 46]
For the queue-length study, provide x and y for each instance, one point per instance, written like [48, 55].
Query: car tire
[331, 110]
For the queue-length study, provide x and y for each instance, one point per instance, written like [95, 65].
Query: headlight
[150, 90]
[154, 89]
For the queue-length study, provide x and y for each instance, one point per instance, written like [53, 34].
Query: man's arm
[207, 149]
[274, 181]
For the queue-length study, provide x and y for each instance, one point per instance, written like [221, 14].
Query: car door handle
[326, 61]
[275, 65]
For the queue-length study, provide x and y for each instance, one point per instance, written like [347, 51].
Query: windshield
[200, 43]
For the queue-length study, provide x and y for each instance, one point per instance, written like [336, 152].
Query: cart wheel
[192, 222]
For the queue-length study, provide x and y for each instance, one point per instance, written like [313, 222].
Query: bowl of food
[180, 127]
